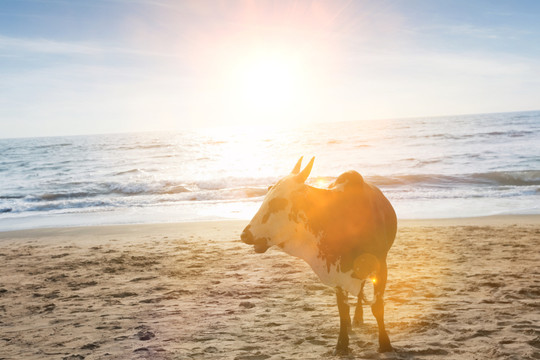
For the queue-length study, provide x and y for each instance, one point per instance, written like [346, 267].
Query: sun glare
[266, 86]
[320, 183]
[268, 82]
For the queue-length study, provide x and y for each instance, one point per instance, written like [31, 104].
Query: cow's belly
[334, 277]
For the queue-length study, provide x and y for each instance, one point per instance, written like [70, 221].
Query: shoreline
[489, 220]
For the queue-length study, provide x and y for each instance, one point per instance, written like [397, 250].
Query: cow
[343, 232]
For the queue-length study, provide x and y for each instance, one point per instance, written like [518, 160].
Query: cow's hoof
[385, 348]
[342, 350]
[342, 346]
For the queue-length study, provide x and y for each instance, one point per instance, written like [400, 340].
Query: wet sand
[457, 289]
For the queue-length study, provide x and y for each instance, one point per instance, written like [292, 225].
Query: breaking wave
[499, 178]
[254, 189]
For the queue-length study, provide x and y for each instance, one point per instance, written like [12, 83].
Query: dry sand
[457, 289]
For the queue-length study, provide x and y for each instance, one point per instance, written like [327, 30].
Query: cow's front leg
[358, 311]
[344, 322]
[378, 309]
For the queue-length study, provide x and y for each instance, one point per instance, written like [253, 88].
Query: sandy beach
[457, 289]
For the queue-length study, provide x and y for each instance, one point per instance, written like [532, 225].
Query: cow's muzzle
[246, 236]
[260, 245]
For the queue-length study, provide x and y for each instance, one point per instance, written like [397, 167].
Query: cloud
[12, 47]
[477, 31]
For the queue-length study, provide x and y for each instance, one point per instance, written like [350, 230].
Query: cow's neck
[305, 243]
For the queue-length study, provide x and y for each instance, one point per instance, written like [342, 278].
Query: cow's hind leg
[344, 322]
[378, 309]
[358, 318]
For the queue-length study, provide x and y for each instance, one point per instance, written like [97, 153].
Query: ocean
[440, 167]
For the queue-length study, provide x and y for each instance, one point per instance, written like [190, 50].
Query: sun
[269, 82]
[266, 86]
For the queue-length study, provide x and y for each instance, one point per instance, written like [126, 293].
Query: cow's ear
[296, 169]
[270, 187]
[302, 177]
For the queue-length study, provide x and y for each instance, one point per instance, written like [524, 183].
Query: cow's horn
[301, 177]
[296, 169]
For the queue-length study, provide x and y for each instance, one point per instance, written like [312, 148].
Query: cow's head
[272, 225]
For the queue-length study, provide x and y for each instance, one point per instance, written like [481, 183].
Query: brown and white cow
[343, 232]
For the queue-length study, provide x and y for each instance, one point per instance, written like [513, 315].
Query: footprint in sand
[73, 357]
[124, 294]
[48, 308]
[90, 346]
[151, 300]
[144, 333]
[247, 304]
[252, 357]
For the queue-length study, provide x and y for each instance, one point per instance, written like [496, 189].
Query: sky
[108, 66]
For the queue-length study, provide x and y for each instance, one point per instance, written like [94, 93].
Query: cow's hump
[348, 180]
